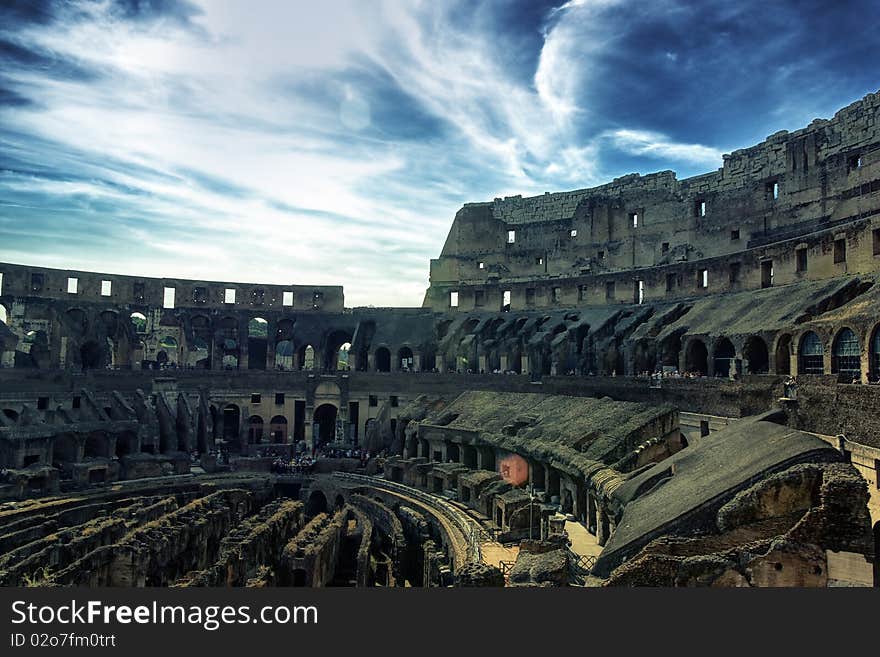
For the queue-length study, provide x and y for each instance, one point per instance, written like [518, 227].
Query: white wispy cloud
[655, 145]
[247, 143]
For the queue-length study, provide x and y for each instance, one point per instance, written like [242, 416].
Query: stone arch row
[814, 350]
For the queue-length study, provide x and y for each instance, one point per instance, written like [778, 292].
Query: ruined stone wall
[794, 528]
[315, 550]
[159, 551]
[254, 544]
[145, 292]
[801, 190]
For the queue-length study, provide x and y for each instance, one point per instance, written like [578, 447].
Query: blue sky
[332, 142]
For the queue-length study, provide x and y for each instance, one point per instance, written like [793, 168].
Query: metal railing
[579, 566]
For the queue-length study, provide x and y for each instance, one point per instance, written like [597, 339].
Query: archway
[284, 355]
[874, 356]
[278, 429]
[255, 429]
[167, 346]
[383, 360]
[336, 344]
[696, 358]
[325, 423]
[724, 357]
[95, 447]
[811, 355]
[307, 357]
[258, 340]
[33, 350]
[343, 362]
[644, 357]
[405, 360]
[90, 355]
[317, 503]
[846, 355]
[139, 322]
[756, 353]
[199, 354]
[231, 420]
[126, 443]
[876, 552]
[783, 355]
[65, 450]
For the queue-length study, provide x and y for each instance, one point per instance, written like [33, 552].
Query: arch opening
[278, 429]
[255, 429]
[324, 427]
[757, 355]
[846, 356]
[783, 355]
[811, 354]
[696, 358]
[724, 358]
[383, 360]
[405, 359]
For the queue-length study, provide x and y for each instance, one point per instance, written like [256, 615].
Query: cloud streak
[332, 143]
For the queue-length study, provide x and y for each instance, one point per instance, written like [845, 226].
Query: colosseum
[652, 382]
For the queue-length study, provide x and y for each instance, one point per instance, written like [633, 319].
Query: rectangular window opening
[839, 251]
[229, 295]
[72, 285]
[699, 208]
[287, 299]
[640, 292]
[505, 300]
[479, 298]
[453, 299]
[279, 399]
[609, 291]
[734, 235]
[573, 232]
[735, 269]
[482, 265]
[106, 287]
[876, 238]
[634, 219]
[704, 278]
[767, 273]
[511, 236]
[801, 260]
[168, 298]
[256, 398]
[664, 248]
[670, 282]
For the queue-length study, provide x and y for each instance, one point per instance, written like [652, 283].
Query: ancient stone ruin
[651, 382]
